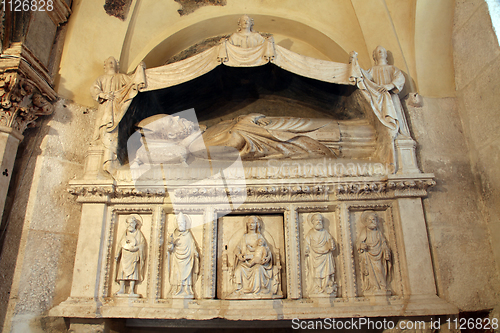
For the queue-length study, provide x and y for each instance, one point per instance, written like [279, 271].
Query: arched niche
[228, 92]
[291, 32]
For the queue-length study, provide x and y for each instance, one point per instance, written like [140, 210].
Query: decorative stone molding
[411, 187]
[340, 189]
[18, 58]
[60, 13]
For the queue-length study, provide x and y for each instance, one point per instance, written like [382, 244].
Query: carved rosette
[21, 102]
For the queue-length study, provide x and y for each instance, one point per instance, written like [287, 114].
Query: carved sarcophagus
[225, 212]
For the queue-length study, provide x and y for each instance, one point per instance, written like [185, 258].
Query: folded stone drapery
[267, 52]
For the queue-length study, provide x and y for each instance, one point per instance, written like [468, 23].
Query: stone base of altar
[416, 305]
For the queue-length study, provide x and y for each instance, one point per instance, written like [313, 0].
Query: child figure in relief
[260, 253]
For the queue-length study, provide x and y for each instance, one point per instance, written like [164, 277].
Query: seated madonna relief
[254, 274]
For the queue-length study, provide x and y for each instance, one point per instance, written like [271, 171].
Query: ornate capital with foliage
[21, 102]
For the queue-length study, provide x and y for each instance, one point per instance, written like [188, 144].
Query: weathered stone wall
[458, 234]
[459, 143]
[477, 66]
[44, 221]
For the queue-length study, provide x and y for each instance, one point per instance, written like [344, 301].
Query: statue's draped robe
[257, 137]
[374, 266]
[107, 83]
[387, 74]
[110, 112]
[254, 279]
[184, 260]
[320, 262]
[246, 40]
[131, 264]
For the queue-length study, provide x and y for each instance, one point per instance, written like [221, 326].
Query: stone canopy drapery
[234, 56]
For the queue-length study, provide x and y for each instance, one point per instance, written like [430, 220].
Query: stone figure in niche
[167, 139]
[320, 264]
[245, 37]
[390, 79]
[254, 273]
[103, 91]
[131, 256]
[375, 256]
[257, 136]
[184, 259]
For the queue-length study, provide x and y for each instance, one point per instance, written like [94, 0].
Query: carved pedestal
[406, 156]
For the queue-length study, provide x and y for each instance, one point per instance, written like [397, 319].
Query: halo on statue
[366, 214]
[138, 219]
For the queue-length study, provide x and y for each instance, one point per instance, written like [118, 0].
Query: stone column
[21, 104]
[9, 141]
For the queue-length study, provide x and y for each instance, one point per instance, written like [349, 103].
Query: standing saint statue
[245, 37]
[184, 259]
[111, 90]
[375, 255]
[390, 79]
[131, 256]
[320, 265]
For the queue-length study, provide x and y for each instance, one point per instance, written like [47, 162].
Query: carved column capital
[21, 102]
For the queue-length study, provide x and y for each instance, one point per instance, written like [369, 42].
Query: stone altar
[260, 257]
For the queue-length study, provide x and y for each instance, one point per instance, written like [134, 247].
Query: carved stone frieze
[411, 187]
[361, 190]
[21, 102]
[254, 193]
[384, 189]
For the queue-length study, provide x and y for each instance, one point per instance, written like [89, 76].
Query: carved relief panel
[376, 256]
[250, 260]
[320, 248]
[128, 264]
[182, 256]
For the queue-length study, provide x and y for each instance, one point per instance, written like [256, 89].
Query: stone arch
[166, 45]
